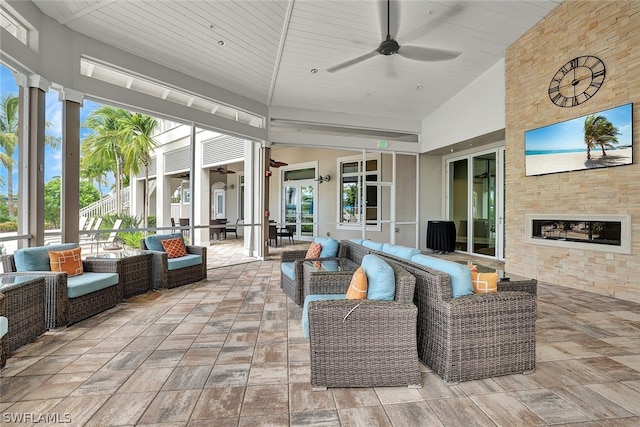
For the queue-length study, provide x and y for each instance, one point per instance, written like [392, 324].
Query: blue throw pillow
[373, 245]
[399, 251]
[329, 246]
[460, 274]
[381, 280]
[153, 242]
[36, 258]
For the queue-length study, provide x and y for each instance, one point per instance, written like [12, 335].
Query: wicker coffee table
[134, 268]
[319, 276]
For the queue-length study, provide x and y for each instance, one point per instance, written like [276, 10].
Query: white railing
[106, 205]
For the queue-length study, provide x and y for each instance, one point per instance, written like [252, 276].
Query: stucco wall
[610, 31]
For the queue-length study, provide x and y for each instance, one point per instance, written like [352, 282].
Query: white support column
[253, 207]
[200, 195]
[163, 193]
[136, 197]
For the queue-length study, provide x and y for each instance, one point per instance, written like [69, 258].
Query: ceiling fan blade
[352, 61]
[419, 53]
[389, 13]
[437, 19]
[277, 164]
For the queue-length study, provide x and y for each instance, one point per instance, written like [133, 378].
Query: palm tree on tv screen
[598, 131]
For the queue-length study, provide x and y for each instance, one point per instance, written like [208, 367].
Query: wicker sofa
[72, 299]
[474, 336]
[365, 343]
[170, 273]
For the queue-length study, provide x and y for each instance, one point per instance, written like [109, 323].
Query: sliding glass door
[475, 202]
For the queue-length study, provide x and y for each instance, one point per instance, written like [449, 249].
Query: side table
[134, 269]
[22, 302]
[327, 276]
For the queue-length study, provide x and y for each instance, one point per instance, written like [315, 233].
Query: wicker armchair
[163, 278]
[365, 343]
[294, 287]
[475, 336]
[60, 310]
[22, 302]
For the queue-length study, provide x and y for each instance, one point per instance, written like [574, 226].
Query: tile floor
[228, 351]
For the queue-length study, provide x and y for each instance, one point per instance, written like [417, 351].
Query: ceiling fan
[223, 171]
[277, 164]
[390, 46]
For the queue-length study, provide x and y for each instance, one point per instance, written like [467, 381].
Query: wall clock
[577, 81]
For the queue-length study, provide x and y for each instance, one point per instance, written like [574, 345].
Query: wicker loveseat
[474, 336]
[365, 343]
[170, 273]
[70, 299]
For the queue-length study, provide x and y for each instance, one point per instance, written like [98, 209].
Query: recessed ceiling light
[420, 87]
[314, 71]
[220, 42]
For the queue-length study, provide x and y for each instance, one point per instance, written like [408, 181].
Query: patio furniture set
[459, 334]
[33, 298]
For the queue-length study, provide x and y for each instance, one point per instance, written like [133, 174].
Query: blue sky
[53, 114]
[569, 135]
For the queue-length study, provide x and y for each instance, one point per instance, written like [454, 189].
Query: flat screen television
[596, 140]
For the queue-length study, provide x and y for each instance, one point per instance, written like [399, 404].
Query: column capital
[36, 80]
[66, 94]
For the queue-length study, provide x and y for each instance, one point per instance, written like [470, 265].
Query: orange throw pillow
[68, 261]
[174, 247]
[358, 286]
[314, 250]
[484, 283]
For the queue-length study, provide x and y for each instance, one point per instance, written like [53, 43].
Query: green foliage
[52, 196]
[52, 190]
[8, 226]
[88, 193]
[132, 238]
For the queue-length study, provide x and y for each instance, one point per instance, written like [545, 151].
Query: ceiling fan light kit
[389, 46]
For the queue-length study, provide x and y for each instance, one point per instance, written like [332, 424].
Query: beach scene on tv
[597, 140]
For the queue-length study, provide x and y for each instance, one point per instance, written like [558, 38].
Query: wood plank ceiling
[271, 46]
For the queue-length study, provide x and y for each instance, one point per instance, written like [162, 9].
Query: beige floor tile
[265, 400]
[505, 410]
[187, 378]
[215, 403]
[146, 380]
[122, 409]
[410, 413]
[550, 407]
[80, 409]
[171, 406]
[364, 417]
[302, 398]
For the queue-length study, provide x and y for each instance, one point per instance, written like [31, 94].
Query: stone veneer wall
[611, 31]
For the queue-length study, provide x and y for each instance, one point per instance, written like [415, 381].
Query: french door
[475, 192]
[299, 201]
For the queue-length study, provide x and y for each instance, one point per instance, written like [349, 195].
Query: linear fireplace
[608, 233]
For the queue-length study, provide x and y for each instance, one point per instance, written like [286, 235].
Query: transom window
[359, 191]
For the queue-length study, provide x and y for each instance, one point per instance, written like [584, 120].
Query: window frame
[362, 183]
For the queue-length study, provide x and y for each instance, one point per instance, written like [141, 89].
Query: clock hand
[575, 81]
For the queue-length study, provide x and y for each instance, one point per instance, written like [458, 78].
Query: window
[186, 196]
[13, 25]
[359, 193]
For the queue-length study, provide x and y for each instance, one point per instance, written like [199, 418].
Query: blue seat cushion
[399, 251]
[381, 280]
[305, 308]
[329, 246]
[373, 245]
[153, 242]
[89, 282]
[184, 261]
[37, 258]
[4, 326]
[288, 269]
[460, 274]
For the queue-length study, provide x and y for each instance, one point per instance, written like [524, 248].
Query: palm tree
[598, 131]
[138, 145]
[9, 106]
[106, 144]
[608, 136]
